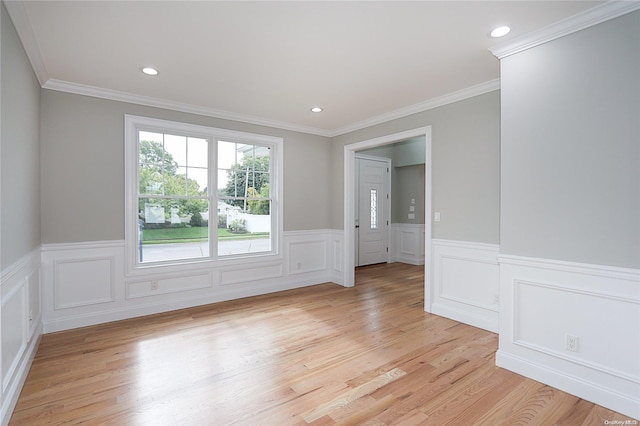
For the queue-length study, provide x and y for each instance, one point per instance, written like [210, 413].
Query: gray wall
[410, 152]
[20, 149]
[407, 184]
[571, 147]
[407, 177]
[403, 153]
[466, 166]
[83, 167]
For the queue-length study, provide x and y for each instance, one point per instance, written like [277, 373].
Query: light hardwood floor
[321, 355]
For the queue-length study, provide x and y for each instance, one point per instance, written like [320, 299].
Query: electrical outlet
[154, 285]
[572, 343]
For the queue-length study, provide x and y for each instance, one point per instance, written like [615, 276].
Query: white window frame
[132, 125]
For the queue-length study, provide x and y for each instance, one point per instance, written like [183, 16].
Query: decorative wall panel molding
[82, 282]
[307, 256]
[166, 285]
[20, 326]
[466, 282]
[574, 327]
[336, 248]
[229, 276]
[407, 243]
[86, 283]
[13, 320]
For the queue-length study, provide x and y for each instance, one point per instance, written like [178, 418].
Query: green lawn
[192, 235]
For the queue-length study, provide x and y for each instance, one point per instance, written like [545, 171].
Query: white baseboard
[21, 329]
[543, 301]
[575, 385]
[465, 281]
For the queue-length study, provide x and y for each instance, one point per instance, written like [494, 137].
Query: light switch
[412, 208]
[436, 217]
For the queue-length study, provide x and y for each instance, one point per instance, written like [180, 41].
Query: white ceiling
[272, 61]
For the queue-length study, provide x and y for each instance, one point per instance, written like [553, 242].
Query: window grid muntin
[179, 170]
[250, 173]
[134, 124]
[374, 208]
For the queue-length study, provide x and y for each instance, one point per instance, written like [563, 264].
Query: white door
[372, 216]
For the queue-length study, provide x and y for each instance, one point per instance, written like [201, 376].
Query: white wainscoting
[336, 240]
[466, 282]
[544, 301]
[20, 326]
[86, 283]
[407, 243]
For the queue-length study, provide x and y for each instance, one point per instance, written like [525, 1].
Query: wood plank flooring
[322, 355]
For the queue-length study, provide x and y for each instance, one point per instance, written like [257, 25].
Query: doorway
[350, 205]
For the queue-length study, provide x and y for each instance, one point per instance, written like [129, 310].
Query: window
[172, 196]
[244, 199]
[174, 214]
[374, 209]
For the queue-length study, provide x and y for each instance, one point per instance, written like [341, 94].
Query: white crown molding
[115, 95]
[572, 24]
[20, 19]
[588, 18]
[450, 98]
[21, 22]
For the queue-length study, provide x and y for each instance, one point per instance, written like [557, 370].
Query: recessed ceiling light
[316, 109]
[150, 71]
[500, 32]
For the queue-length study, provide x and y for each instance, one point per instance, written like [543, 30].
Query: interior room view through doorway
[385, 211]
